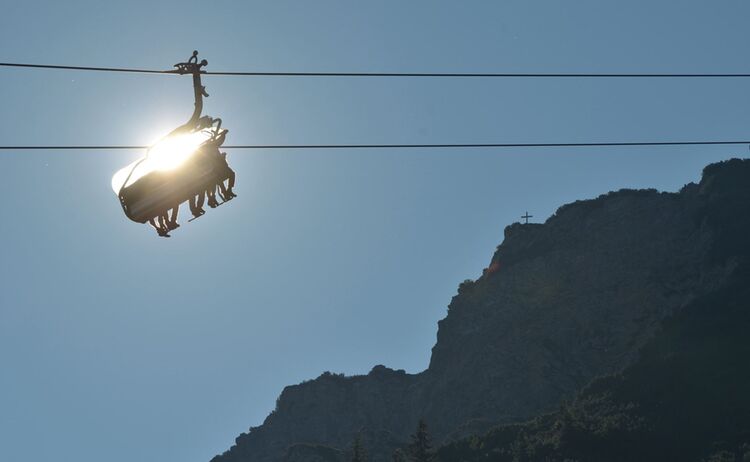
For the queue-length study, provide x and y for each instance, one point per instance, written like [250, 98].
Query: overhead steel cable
[88, 68]
[394, 146]
[463, 75]
[390, 74]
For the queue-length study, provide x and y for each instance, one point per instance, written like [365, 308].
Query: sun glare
[166, 154]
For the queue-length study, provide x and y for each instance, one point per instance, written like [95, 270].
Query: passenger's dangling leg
[196, 204]
[211, 193]
[164, 222]
[161, 231]
[230, 184]
[223, 191]
[172, 220]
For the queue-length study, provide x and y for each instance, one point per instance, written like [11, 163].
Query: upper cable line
[397, 146]
[388, 74]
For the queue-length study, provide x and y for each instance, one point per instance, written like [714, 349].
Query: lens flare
[167, 154]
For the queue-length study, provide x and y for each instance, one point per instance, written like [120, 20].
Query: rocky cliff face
[685, 395]
[560, 303]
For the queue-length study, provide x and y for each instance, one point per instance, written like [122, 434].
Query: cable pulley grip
[191, 66]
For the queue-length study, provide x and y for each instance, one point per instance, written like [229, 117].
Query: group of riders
[200, 179]
[167, 220]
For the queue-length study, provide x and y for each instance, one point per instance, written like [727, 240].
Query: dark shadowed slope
[686, 397]
[560, 304]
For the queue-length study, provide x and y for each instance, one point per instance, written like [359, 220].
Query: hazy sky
[117, 345]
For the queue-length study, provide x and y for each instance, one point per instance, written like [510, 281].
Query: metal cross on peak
[526, 217]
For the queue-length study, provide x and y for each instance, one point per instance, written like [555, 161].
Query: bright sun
[166, 154]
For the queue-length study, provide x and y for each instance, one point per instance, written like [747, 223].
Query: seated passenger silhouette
[225, 171]
[221, 172]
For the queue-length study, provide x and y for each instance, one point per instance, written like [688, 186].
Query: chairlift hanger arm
[194, 67]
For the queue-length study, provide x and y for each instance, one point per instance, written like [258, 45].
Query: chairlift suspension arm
[194, 67]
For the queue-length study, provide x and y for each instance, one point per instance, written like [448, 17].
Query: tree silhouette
[358, 452]
[398, 456]
[420, 448]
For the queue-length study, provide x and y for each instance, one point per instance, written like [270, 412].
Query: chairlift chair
[178, 167]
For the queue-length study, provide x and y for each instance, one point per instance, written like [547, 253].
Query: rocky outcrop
[334, 409]
[559, 304]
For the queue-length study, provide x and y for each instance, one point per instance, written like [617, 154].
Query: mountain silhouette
[599, 335]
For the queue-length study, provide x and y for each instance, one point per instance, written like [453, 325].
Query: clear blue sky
[116, 345]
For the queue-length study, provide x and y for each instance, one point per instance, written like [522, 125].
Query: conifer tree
[420, 448]
[398, 456]
[358, 452]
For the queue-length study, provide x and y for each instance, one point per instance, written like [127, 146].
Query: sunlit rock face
[559, 304]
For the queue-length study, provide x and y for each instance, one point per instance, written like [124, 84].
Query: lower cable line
[389, 146]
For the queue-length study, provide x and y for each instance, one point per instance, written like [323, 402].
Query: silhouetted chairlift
[180, 167]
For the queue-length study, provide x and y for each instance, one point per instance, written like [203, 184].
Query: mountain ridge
[559, 304]
[685, 397]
